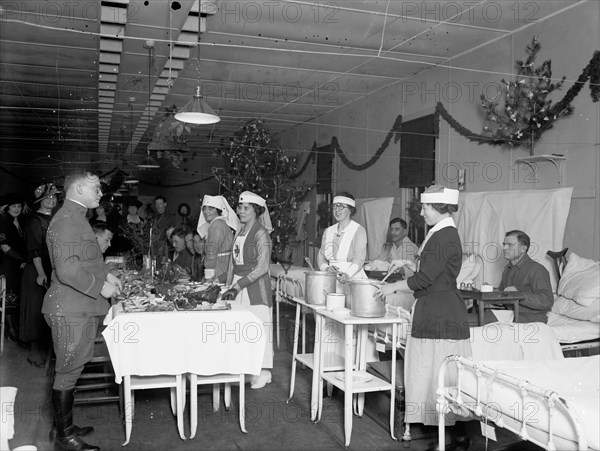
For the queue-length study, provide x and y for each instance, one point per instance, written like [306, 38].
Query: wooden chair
[216, 380]
[175, 382]
[97, 385]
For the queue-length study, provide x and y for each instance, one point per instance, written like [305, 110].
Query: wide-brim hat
[12, 199]
[44, 191]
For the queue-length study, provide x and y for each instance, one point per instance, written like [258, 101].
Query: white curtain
[374, 215]
[483, 219]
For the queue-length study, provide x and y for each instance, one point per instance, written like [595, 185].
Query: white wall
[569, 40]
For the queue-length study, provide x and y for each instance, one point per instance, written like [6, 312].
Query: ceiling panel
[74, 76]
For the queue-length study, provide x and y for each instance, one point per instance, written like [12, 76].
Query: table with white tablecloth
[172, 344]
[179, 342]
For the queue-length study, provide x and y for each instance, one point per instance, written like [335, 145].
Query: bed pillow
[581, 280]
[571, 309]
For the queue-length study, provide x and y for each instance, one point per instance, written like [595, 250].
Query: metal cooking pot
[317, 285]
[364, 302]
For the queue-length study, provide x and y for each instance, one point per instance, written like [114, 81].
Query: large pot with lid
[317, 284]
[364, 301]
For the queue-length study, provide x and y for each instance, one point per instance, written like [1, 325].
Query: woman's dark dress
[11, 266]
[33, 325]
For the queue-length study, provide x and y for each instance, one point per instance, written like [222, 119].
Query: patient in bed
[527, 276]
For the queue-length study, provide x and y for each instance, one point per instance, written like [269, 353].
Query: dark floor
[271, 422]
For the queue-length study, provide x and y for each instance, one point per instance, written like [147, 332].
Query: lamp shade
[197, 111]
[131, 180]
[148, 163]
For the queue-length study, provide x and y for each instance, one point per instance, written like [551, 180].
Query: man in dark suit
[75, 300]
[160, 223]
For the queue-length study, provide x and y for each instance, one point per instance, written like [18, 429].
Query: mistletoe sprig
[522, 111]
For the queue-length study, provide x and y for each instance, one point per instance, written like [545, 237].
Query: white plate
[357, 378]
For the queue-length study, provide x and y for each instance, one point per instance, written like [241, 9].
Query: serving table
[490, 298]
[147, 346]
[351, 376]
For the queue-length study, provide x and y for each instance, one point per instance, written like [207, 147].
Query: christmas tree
[521, 112]
[252, 163]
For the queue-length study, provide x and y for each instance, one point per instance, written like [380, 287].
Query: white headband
[448, 196]
[252, 198]
[344, 200]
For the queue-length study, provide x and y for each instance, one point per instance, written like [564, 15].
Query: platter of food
[151, 303]
[197, 297]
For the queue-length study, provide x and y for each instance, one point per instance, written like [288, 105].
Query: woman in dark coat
[14, 253]
[36, 275]
[439, 322]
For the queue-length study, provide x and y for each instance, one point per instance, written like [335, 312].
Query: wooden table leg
[516, 311]
[480, 311]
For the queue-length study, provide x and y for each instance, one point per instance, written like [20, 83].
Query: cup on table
[335, 301]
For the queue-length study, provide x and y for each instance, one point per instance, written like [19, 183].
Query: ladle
[307, 260]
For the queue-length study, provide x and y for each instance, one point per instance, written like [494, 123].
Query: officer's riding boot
[66, 439]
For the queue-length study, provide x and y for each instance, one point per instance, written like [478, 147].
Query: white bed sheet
[568, 330]
[576, 380]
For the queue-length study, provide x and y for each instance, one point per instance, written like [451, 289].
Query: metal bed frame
[448, 397]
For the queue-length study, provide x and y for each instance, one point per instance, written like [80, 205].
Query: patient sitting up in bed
[401, 248]
[526, 276]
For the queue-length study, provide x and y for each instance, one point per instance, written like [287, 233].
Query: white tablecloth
[201, 342]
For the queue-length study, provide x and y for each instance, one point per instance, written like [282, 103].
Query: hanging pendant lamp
[197, 111]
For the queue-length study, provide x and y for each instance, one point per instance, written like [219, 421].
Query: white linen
[199, 342]
[567, 330]
[374, 215]
[519, 341]
[265, 314]
[580, 280]
[483, 219]
[571, 309]
[574, 379]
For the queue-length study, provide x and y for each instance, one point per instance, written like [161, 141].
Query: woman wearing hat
[248, 273]
[36, 275]
[132, 222]
[216, 226]
[439, 322]
[14, 252]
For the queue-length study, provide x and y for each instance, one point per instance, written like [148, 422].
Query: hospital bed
[575, 315]
[552, 403]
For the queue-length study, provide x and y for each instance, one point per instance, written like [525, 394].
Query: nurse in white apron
[344, 244]
[248, 275]
[216, 225]
[343, 251]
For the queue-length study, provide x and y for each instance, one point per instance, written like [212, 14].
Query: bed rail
[452, 397]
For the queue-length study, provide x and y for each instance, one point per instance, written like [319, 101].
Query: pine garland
[395, 133]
